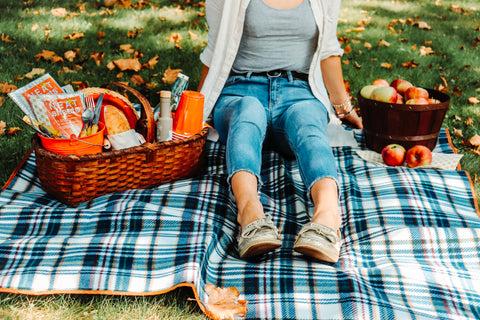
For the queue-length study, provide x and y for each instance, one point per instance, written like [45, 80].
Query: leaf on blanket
[223, 303]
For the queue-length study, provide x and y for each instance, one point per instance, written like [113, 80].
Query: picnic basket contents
[401, 113]
[112, 150]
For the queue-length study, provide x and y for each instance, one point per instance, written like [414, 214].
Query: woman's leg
[244, 187]
[305, 124]
[242, 124]
[324, 194]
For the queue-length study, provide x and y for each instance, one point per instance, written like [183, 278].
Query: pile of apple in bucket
[402, 121]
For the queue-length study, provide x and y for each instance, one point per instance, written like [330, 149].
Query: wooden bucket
[407, 125]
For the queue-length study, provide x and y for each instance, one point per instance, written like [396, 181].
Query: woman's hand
[346, 112]
[354, 119]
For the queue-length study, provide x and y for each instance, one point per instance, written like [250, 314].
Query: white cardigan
[225, 19]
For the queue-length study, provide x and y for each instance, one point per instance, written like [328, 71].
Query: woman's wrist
[343, 108]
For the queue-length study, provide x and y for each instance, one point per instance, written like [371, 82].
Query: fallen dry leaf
[192, 35]
[170, 75]
[75, 35]
[386, 65]
[70, 70]
[134, 33]
[6, 38]
[175, 37]
[151, 63]
[35, 72]
[425, 51]
[127, 48]
[49, 56]
[70, 55]
[457, 91]
[358, 29]
[12, 130]
[128, 64]
[457, 9]
[223, 303]
[111, 66]
[343, 39]
[347, 49]
[473, 100]
[6, 87]
[474, 141]
[59, 12]
[97, 57]
[34, 27]
[469, 121]
[1, 101]
[137, 80]
[457, 132]
[410, 64]
[423, 25]
[151, 86]
[383, 43]
[138, 54]
[2, 127]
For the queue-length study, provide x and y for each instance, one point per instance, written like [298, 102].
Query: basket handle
[146, 123]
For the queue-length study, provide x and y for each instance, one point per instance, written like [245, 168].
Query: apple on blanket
[416, 157]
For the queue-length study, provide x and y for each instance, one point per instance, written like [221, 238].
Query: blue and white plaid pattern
[410, 242]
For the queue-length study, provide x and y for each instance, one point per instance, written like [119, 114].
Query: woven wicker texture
[75, 179]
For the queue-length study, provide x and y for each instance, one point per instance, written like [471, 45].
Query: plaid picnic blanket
[410, 242]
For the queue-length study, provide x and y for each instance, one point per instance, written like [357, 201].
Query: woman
[267, 68]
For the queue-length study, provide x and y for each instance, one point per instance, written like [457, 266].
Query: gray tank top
[277, 38]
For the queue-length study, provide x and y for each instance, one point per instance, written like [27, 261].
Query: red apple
[418, 155]
[399, 98]
[416, 92]
[381, 83]
[393, 154]
[401, 85]
[384, 94]
[417, 101]
[366, 91]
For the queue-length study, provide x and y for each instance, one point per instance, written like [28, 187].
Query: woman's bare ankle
[249, 212]
[329, 219]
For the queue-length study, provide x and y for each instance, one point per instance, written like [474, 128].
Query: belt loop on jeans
[289, 76]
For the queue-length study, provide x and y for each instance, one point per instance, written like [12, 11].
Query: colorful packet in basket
[62, 111]
[42, 85]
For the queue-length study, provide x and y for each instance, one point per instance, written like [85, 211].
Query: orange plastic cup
[188, 118]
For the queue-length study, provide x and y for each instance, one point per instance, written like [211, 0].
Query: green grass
[171, 306]
[454, 39]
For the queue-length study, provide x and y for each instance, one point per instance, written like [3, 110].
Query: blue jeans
[252, 108]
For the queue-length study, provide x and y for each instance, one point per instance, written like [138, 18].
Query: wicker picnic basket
[75, 179]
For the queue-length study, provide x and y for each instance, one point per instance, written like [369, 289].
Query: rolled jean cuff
[229, 179]
[309, 195]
